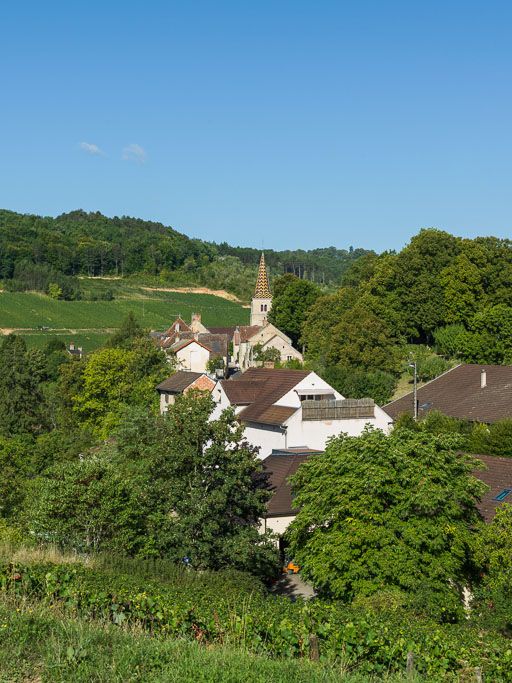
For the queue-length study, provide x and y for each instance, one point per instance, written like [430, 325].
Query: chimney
[196, 316]
[483, 378]
[71, 346]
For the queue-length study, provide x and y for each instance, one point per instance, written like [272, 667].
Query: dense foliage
[493, 439]
[439, 289]
[370, 639]
[179, 486]
[47, 254]
[380, 512]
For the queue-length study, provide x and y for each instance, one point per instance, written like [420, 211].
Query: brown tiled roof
[259, 389]
[242, 392]
[262, 388]
[498, 476]
[269, 415]
[179, 381]
[216, 343]
[458, 393]
[281, 465]
[230, 331]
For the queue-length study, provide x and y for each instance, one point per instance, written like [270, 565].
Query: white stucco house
[284, 409]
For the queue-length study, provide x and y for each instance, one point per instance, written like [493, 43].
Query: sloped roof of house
[284, 463]
[178, 382]
[247, 332]
[280, 465]
[242, 392]
[230, 331]
[458, 393]
[259, 389]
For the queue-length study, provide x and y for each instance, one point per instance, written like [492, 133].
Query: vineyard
[89, 321]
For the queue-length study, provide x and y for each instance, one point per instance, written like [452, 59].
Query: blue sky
[277, 124]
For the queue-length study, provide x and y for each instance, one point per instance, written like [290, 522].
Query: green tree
[129, 331]
[87, 505]
[450, 340]
[463, 289]
[363, 340]
[291, 302]
[205, 491]
[353, 383]
[494, 439]
[268, 355]
[111, 379]
[54, 291]
[320, 321]
[380, 512]
[22, 405]
[494, 597]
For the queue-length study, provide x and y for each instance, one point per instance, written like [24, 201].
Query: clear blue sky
[285, 124]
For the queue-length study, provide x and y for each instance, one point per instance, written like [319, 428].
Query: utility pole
[415, 392]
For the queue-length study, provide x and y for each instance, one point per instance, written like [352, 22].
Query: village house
[190, 347]
[283, 408]
[475, 393]
[181, 383]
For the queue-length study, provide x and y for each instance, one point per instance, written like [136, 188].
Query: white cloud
[91, 149]
[134, 152]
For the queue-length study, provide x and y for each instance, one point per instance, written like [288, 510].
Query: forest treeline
[441, 300]
[36, 252]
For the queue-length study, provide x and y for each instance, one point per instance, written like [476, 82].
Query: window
[288, 357]
[261, 308]
[503, 494]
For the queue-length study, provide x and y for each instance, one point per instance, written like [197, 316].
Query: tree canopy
[380, 512]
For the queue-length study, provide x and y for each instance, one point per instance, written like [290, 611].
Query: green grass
[89, 341]
[88, 323]
[40, 644]
[28, 310]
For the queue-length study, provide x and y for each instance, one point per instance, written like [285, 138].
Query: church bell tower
[262, 299]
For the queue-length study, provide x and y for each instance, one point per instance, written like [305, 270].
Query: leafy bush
[428, 364]
[354, 383]
[449, 340]
[371, 639]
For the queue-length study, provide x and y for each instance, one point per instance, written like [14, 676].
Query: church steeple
[262, 290]
[262, 299]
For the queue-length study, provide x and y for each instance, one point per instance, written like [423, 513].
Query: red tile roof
[458, 393]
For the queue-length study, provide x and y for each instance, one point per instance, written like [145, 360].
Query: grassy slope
[88, 322]
[37, 643]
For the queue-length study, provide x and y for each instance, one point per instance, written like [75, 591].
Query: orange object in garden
[292, 568]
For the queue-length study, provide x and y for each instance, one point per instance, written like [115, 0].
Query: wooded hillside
[37, 251]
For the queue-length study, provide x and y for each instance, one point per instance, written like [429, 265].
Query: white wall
[276, 524]
[309, 384]
[193, 357]
[315, 433]
[266, 437]
[285, 349]
[166, 400]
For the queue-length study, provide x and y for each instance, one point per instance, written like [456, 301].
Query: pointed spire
[262, 290]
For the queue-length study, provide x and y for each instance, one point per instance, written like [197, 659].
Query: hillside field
[89, 322]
